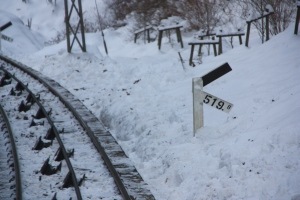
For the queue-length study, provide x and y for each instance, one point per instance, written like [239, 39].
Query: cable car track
[9, 153]
[128, 181]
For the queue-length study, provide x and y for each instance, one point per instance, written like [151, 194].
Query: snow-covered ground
[144, 96]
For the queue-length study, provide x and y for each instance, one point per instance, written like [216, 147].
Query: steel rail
[15, 155]
[63, 149]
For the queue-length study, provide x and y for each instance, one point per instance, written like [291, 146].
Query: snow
[169, 27]
[144, 96]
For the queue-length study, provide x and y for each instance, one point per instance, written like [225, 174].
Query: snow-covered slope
[24, 40]
[145, 97]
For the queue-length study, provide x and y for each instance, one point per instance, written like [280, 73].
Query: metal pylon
[74, 30]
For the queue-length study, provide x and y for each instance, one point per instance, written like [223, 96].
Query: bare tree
[279, 21]
[204, 14]
[152, 11]
[120, 9]
[284, 11]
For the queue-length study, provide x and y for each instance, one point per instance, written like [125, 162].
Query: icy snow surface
[144, 96]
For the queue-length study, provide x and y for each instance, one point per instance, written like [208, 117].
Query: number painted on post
[220, 105]
[207, 99]
[216, 102]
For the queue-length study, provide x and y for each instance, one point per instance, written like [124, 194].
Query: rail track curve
[9, 182]
[128, 181]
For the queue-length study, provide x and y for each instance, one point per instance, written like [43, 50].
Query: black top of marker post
[8, 24]
[215, 74]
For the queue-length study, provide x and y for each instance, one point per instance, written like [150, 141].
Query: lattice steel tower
[75, 8]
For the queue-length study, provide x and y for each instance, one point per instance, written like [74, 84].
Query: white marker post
[4, 37]
[200, 97]
[197, 103]
[5, 26]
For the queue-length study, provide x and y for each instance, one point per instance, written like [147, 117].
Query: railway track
[64, 150]
[10, 182]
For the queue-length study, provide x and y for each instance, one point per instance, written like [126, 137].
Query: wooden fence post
[220, 45]
[297, 20]
[160, 33]
[248, 34]
[267, 28]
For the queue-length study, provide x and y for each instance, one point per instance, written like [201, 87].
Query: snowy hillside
[144, 96]
[23, 39]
